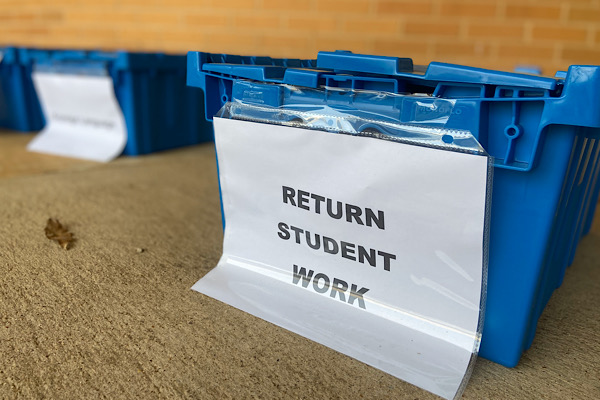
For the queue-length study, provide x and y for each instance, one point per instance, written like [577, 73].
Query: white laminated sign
[371, 247]
[83, 117]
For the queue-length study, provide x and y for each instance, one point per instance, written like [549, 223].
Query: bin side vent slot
[586, 160]
[510, 92]
[535, 93]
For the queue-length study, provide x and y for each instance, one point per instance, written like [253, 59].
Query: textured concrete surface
[103, 320]
[15, 160]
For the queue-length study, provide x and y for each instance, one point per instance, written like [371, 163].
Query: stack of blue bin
[542, 133]
[160, 111]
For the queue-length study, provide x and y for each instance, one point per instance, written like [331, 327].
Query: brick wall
[488, 33]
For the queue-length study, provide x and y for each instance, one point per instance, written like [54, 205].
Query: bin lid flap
[437, 72]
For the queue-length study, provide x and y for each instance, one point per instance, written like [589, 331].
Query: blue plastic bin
[543, 133]
[160, 111]
[19, 106]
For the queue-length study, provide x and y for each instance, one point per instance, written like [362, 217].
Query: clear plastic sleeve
[414, 119]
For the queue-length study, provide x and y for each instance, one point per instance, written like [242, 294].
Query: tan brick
[181, 35]
[133, 34]
[311, 24]
[98, 34]
[282, 41]
[231, 40]
[559, 33]
[454, 50]
[126, 3]
[372, 26]
[180, 46]
[228, 5]
[344, 6]
[292, 6]
[391, 7]
[78, 3]
[578, 13]
[20, 17]
[186, 4]
[212, 19]
[523, 52]
[51, 15]
[82, 17]
[256, 21]
[10, 4]
[495, 30]
[580, 55]
[468, 8]
[162, 18]
[533, 11]
[400, 48]
[280, 50]
[24, 30]
[436, 28]
[418, 29]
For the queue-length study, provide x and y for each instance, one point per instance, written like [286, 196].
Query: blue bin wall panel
[544, 136]
[163, 112]
[19, 107]
[520, 228]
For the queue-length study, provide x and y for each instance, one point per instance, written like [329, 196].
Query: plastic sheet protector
[83, 117]
[375, 248]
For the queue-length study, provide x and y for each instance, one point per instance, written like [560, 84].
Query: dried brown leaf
[55, 231]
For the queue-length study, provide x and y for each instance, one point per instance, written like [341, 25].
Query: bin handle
[341, 60]
[436, 72]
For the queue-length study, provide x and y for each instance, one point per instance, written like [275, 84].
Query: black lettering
[370, 218]
[298, 231]
[348, 250]
[335, 209]
[318, 201]
[339, 212]
[283, 231]
[339, 288]
[288, 194]
[330, 246]
[386, 259]
[317, 243]
[326, 282]
[302, 274]
[353, 212]
[370, 256]
[357, 295]
[303, 198]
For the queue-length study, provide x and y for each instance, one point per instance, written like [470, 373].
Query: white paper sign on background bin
[83, 117]
[370, 247]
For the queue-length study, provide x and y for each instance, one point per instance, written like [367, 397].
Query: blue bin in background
[160, 111]
[543, 134]
[19, 106]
